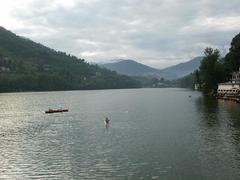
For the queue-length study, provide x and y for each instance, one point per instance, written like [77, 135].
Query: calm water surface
[154, 134]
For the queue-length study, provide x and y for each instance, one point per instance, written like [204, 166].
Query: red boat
[56, 110]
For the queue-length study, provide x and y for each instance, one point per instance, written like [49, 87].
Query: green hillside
[29, 66]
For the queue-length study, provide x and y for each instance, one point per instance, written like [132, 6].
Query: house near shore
[4, 69]
[196, 86]
[231, 87]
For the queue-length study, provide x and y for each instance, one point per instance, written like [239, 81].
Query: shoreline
[229, 98]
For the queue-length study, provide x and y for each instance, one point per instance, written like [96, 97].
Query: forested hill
[131, 68]
[29, 66]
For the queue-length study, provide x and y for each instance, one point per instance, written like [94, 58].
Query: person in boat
[107, 121]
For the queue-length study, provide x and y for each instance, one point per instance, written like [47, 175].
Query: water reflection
[107, 126]
[218, 114]
[219, 135]
[231, 110]
[209, 110]
[164, 135]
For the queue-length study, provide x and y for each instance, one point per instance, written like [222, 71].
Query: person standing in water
[107, 121]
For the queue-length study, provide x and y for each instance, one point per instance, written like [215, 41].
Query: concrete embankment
[230, 98]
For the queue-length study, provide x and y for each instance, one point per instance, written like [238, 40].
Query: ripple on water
[146, 140]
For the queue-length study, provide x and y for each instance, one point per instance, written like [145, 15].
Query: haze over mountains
[133, 68]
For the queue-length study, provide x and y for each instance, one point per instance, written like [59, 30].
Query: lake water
[154, 134]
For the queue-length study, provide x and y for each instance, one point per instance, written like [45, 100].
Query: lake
[154, 134]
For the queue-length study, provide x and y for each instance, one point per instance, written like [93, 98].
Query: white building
[231, 87]
[196, 86]
[4, 69]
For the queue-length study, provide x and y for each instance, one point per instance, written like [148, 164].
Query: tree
[232, 59]
[210, 70]
[197, 77]
[186, 81]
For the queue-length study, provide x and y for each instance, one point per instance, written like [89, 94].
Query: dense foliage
[184, 82]
[210, 70]
[214, 70]
[232, 59]
[28, 66]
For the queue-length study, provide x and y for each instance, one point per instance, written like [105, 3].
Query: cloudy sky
[158, 33]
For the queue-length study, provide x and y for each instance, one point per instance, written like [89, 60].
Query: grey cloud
[156, 32]
[221, 8]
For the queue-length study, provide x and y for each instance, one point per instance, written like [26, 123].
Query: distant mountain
[133, 68]
[183, 69]
[29, 66]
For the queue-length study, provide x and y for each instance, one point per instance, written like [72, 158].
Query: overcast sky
[158, 33]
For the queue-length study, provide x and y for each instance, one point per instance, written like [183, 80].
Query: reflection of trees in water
[232, 118]
[219, 114]
[208, 108]
[219, 136]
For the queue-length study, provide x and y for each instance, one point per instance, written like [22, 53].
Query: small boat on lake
[56, 110]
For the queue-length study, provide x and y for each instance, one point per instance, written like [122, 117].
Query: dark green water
[154, 134]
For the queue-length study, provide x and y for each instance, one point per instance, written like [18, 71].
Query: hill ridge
[134, 68]
[29, 66]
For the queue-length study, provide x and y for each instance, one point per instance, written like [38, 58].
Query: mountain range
[29, 66]
[133, 68]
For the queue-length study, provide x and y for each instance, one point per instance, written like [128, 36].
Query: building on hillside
[231, 87]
